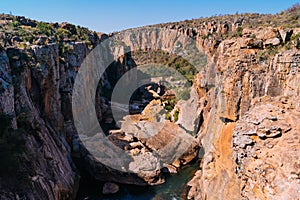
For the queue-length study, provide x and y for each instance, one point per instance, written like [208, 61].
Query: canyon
[242, 108]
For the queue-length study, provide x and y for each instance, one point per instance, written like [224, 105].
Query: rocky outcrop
[266, 149]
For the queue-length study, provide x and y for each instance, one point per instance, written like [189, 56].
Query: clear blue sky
[114, 15]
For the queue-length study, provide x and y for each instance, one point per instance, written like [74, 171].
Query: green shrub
[169, 106]
[295, 36]
[45, 28]
[15, 23]
[239, 31]
[174, 61]
[176, 115]
[62, 33]
[204, 36]
[65, 48]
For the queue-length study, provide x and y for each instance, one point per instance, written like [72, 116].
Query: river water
[174, 189]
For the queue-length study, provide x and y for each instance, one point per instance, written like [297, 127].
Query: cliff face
[37, 132]
[242, 79]
[243, 106]
[245, 65]
[31, 82]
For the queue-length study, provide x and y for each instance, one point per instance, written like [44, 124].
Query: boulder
[41, 40]
[286, 34]
[169, 169]
[272, 42]
[16, 39]
[110, 188]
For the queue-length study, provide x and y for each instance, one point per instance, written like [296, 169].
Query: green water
[174, 188]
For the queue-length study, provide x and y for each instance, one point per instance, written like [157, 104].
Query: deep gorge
[242, 109]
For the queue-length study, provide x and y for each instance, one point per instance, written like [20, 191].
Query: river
[174, 189]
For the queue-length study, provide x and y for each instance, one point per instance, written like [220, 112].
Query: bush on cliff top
[45, 28]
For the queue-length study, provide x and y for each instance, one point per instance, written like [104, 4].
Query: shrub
[45, 28]
[15, 23]
[239, 31]
[65, 47]
[204, 36]
[169, 106]
[176, 115]
[174, 61]
[295, 36]
[62, 33]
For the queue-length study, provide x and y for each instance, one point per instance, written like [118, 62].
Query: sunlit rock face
[242, 78]
[266, 149]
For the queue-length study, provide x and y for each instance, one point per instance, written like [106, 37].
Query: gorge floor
[174, 188]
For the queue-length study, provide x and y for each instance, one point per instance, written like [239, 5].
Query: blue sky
[114, 15]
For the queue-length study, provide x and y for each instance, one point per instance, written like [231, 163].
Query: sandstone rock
[233, 104]
[147, 167]
[272, 42]
[136, 145]
[268, 33]
[169, 169]
[243, 141]
[255, 44]
[177, 163]
[189, 113]
[135, 152]
[35, 90]
[193, 193]
[266, 167]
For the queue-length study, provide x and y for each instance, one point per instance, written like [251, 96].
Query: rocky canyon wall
[36, 82]
[245, 74]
